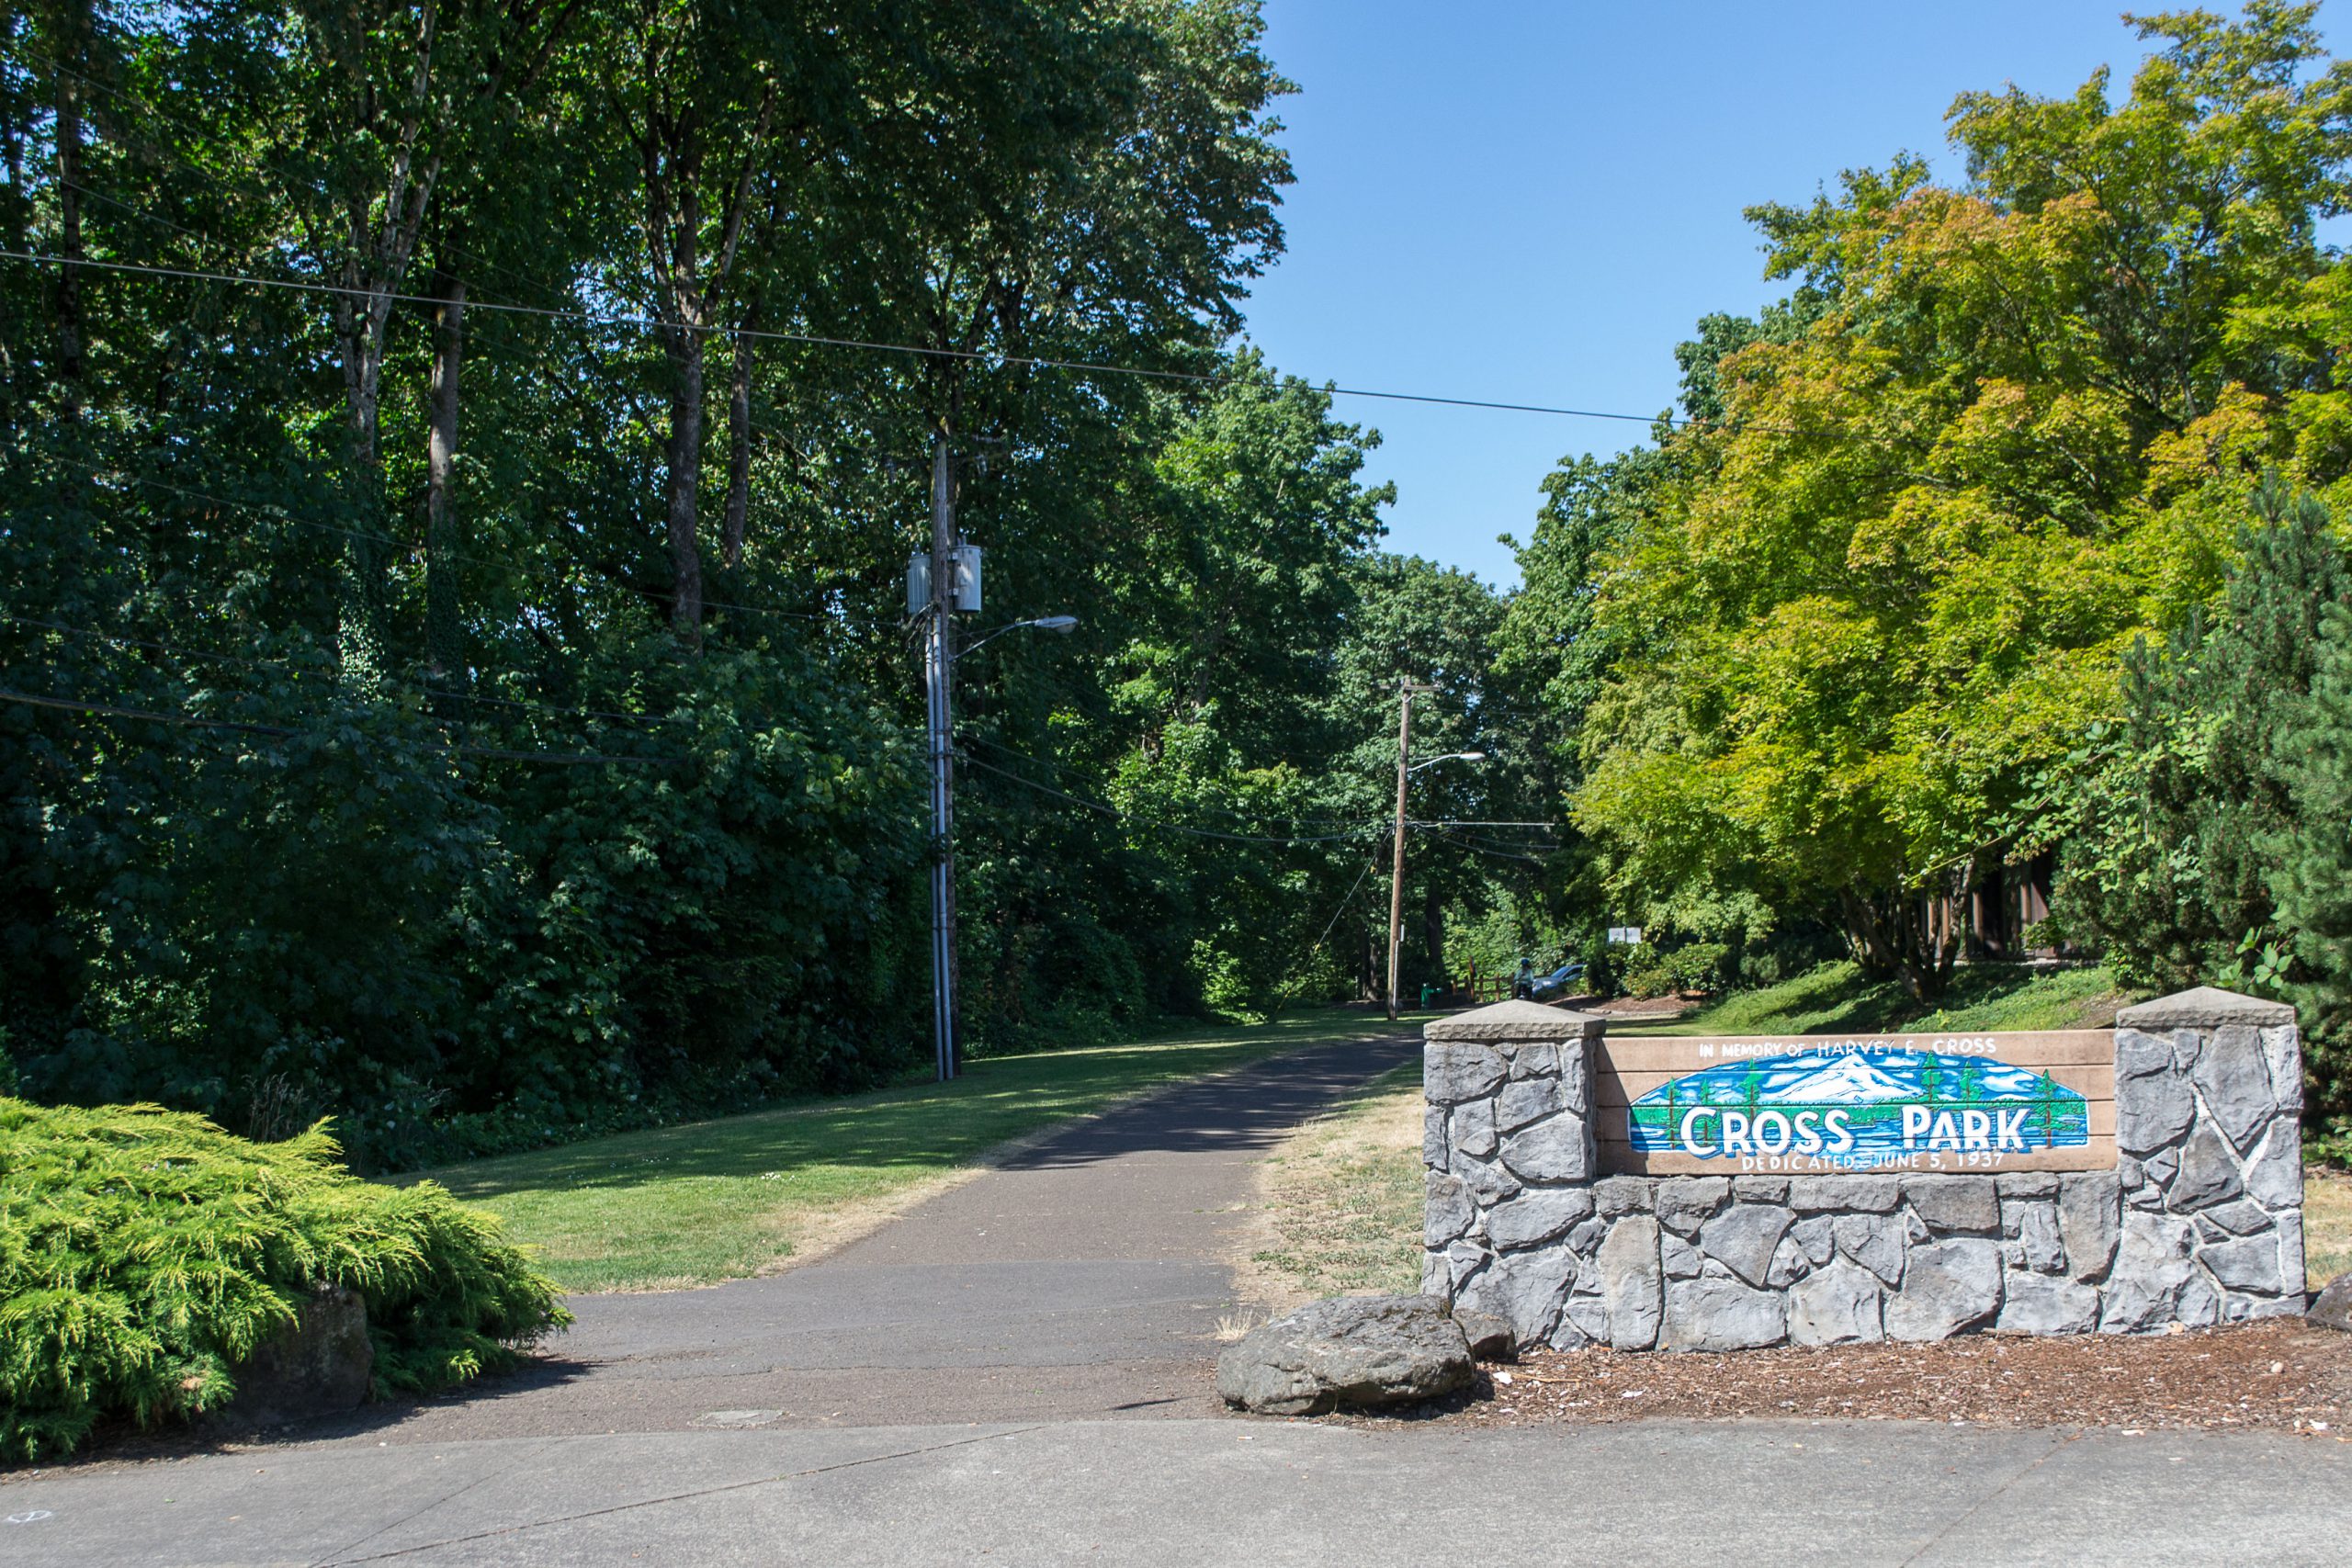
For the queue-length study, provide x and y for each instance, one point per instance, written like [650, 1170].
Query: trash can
[1429, 995]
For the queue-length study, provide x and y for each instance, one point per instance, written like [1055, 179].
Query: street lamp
[947, 580]
[1063, 625]
[1405, 768]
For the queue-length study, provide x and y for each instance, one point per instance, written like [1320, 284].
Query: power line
[278, 514]
[110, 710]
[538, 353]
[651, 324]
[1115, 813]
[1476, 847]
[1061, 770]
[431, 691]
[253, 162]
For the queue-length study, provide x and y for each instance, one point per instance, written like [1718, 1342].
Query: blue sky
[1533, 203]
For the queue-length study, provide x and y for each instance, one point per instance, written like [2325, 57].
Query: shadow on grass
[1838, 998]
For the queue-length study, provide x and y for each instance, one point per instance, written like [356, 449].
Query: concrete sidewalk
[1194, 1492]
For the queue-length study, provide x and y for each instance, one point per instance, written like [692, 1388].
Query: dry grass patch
[1338, 1207]
[2327, 1224]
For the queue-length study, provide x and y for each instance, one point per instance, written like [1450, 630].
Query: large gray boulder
[2334, 1307]
[1357, 1352]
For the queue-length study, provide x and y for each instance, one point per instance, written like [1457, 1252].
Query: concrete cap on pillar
[2205, 1008]
[1515, 1020]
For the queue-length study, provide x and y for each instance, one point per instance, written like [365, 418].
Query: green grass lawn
[1840, 998]
[710, 1200]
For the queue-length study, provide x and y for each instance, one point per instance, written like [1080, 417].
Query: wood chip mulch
[2282, 1375]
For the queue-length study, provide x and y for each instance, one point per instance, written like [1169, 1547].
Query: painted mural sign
[2031, 1101]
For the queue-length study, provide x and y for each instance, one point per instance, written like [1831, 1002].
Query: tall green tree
[1896, 574]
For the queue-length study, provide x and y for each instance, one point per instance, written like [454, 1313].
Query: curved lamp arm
[1061, 624]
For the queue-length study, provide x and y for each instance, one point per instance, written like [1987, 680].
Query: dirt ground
[2282, 1375]
[1338, 1209]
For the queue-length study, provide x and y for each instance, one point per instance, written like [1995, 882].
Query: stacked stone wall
[2201, 1221]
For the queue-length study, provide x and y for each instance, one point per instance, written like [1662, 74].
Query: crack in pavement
[680, 1496]
[340, 1554]
[2062, 1441]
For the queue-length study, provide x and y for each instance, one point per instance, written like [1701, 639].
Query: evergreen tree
[2310, 872]
[2172, 868]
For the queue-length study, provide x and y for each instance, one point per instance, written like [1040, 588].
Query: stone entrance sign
[1810, 1105]
[1625, 1192]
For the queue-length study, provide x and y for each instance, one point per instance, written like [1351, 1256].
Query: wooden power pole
[1405, 690]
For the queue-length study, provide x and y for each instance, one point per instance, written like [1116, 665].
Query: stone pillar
[1508, 1143]
[2209, 1096]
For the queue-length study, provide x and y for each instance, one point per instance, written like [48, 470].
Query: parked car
[1565, 981]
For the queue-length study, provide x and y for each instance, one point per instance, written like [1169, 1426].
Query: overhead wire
[539, 352]
[1060, 770]
[111, 710]
[277, 513]
[1153, 823]
[1195, 377]
[435, 692]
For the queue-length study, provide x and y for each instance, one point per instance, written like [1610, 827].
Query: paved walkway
[968, 1385]
[1084, 1278]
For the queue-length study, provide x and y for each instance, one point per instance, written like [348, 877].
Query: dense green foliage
[2208, 837]
[452, 611]
[1858, 631]
[461, 467]
[1843, 998]
[145, 1253]
[2181, 806]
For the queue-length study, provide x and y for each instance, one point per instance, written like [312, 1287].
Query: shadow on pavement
[1244, 1112]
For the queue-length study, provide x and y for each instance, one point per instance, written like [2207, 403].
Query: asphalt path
[1085, 1276]
[1018, 1371]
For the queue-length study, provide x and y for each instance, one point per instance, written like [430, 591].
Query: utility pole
[938, 660]
[1405, 689]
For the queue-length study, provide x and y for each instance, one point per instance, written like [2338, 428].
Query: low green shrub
[144, 1253]
[1650, 972]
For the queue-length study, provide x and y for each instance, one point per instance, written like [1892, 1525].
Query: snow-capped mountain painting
[1856, 1107]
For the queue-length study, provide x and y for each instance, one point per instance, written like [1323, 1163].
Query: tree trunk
[686, 480]
[1898, 934]
[69, 207]
[738, 452]
[444, 656]
[361, 634]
